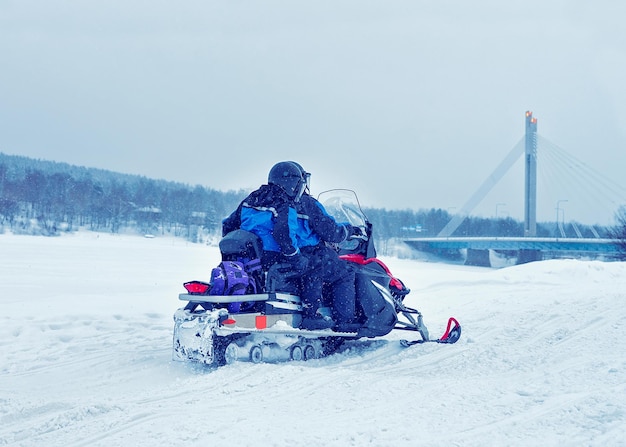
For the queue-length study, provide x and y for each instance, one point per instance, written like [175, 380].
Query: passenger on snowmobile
[269, 212]
[331, 276]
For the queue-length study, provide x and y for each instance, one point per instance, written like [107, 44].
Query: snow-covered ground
[85, 358]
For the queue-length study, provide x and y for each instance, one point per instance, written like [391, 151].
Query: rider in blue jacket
[293, 227]
[269, 212]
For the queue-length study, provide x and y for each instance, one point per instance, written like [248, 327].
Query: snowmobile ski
[452, 335]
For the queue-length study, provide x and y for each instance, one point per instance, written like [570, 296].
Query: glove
[299, 263]
[355, 232]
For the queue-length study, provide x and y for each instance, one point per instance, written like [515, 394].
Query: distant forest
[47, 198]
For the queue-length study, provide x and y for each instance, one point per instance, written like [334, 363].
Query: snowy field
[85, 358]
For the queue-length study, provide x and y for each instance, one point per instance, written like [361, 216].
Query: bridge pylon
[530, 189]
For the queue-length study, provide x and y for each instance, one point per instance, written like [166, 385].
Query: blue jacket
[269, 213]
[315, 224]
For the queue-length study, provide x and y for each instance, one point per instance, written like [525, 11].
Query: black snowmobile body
[264, 326]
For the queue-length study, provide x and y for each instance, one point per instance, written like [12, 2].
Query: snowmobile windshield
[343, 205]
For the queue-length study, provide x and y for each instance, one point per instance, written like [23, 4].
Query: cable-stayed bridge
[530, 247]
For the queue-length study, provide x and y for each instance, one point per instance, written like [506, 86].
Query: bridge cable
[572, 176]
[484, 189]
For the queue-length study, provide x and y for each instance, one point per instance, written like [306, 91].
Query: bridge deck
[516, 243]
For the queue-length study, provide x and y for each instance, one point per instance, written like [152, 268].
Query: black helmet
[288, 175]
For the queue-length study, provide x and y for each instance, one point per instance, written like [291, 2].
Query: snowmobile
[261, 323]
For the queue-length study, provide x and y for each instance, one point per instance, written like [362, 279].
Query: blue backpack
[231, 278]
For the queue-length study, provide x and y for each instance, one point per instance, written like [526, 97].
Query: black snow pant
[328, 273]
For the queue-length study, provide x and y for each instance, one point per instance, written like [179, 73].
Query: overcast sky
[411, 103]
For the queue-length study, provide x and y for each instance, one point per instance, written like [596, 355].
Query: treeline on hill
[44, 197]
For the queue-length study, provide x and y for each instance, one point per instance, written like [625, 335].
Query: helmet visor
[307, 180]
[302, 186]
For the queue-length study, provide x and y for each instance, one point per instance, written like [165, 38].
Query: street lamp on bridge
[558, 203]
[497, 205]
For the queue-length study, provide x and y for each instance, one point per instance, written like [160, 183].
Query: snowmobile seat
[281, 277]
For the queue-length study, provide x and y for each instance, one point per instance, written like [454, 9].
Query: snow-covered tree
[619, 231]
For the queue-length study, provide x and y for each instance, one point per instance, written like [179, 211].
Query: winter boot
[317, 323]
[320, 319]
